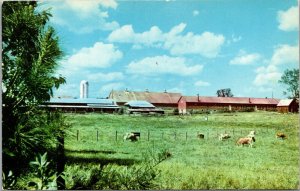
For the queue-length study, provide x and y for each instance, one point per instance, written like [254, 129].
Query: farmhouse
[79, 105]
[288, 105]
[230, 103]
[158, 99]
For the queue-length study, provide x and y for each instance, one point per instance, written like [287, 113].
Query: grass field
[195, 164]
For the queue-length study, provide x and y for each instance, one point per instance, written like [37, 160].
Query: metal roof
[231, 100]
[152, 97]
[142, 104]
[285, 102]
[83, 101]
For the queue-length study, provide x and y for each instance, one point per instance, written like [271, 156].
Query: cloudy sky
[196, 46]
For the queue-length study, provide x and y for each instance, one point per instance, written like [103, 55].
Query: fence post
[186, 135]
[60, 161]
[148, 134]
[97, 135]
[116, 135]
[77, 135]
[175, 135]
[162, 135]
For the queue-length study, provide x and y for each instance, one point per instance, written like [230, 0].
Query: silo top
[84, 82]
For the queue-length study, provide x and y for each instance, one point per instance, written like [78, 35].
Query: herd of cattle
[248, 140]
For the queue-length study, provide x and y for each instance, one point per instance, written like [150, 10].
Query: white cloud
[150, 66]
[195, 12]
[289, 19]
[266, 76]
[99, 56]
[202, 84]
[245, 59]
[283, 57]
[285, 54]
[105, 77]
[82, 16]
[126, 34]
[206, 44]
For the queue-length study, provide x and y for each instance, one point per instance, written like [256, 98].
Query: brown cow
[280, 135]
[246, 141]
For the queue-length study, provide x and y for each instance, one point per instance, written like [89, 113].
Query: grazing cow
[224, 136]
[200, 136]
[131, 137]
[251, 134]
[280, 135]
[246, 141]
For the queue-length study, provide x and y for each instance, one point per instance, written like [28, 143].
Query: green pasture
[272, 163]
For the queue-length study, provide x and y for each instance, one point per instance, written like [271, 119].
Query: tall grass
[195, 164]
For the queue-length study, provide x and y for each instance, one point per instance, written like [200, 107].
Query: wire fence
[148, 135]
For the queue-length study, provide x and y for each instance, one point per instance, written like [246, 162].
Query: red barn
[288, 105]
[230, 103]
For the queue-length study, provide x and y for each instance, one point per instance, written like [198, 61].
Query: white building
[84, 89]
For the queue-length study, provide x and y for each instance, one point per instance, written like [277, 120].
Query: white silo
[84, 89]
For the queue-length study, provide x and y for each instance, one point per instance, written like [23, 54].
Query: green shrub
[45, 179]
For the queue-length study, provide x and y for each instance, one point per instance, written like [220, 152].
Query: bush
[136, 177]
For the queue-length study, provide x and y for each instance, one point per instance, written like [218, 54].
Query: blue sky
[192, 47]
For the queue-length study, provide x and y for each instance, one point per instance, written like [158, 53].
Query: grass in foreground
[195, 164]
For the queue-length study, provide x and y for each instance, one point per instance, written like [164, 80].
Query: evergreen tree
[30, 57]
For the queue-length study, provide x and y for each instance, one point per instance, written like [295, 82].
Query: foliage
[45, 179]
[8, 180]
[290, 78]
[30, 55]
[224, 93]
[135, 177]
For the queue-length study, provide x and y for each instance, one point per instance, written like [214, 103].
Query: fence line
[159, 135]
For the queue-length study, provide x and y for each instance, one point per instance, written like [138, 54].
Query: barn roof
[89, 101]
[232, 100]
[285, 102]
[152, 97]
[141, 104]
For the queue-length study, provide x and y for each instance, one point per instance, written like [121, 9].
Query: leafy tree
[224, 93]
[30, 55]
[290, 78]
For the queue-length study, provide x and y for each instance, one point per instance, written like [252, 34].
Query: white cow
[224, 136]
[130, 136]
[251, 134]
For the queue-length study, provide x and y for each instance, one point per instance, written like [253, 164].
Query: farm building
[79, 105]
[288, 105]
[185, 103]
[158, 99]
[142, 107]
[230, 103]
